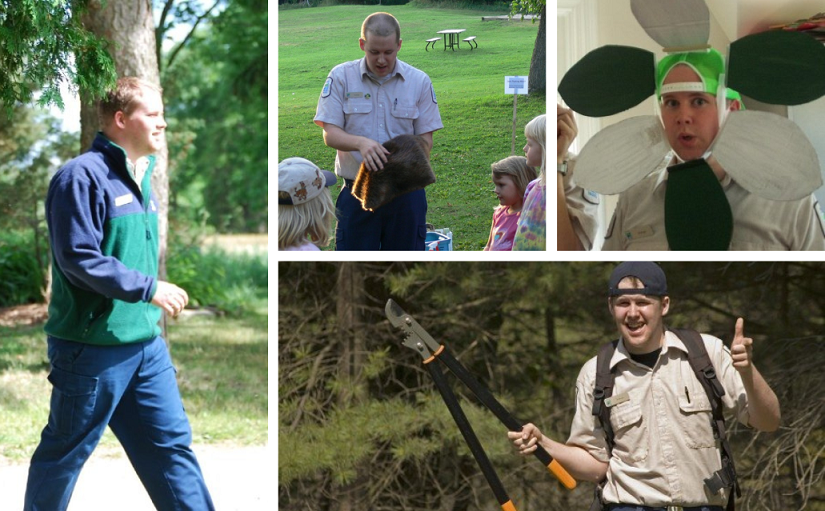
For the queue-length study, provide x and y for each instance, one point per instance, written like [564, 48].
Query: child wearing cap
[306, 214]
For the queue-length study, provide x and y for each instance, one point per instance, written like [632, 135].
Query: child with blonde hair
[532, 225]
[306, 214]
[511, 177]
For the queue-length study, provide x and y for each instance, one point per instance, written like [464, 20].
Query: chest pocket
[695, 419]
[357, 106]
[357, 118]
[630, 431]
[403, 117]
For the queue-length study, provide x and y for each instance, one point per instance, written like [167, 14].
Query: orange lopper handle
[561, 474]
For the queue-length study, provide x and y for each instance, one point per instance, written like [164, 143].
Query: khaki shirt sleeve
[736, 398]
[586, 431]
[583, 207]
[429, 117]
[330, 108]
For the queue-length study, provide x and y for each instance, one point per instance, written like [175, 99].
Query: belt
[636, 507]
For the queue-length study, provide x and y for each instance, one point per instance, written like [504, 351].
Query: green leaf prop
[609, 80]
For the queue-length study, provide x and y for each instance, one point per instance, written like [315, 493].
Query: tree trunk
[538, 63]
[129, 27]
[349, 307]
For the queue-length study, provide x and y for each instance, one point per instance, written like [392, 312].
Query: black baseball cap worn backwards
[651, 275]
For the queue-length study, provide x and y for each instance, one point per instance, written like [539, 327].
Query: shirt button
[381, 105]
[380, 125]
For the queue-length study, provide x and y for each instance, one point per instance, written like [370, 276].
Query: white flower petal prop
[767, 155]
[676, 25]
[621, 155]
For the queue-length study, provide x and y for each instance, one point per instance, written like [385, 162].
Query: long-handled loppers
[417, 339]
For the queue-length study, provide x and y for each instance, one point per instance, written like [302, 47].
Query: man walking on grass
[109, 365]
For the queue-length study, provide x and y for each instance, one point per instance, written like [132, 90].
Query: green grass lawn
[222, 374]
[469, 84]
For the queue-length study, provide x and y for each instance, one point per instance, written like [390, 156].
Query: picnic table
[453, 39]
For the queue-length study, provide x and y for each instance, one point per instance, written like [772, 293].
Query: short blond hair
[382, 24]
[537, 130]
[311, 221]
[516, 167]
[123, 98]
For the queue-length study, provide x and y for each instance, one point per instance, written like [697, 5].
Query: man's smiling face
[638, 318]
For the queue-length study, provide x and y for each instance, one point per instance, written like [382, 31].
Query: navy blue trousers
[398, 225]
[132, 389]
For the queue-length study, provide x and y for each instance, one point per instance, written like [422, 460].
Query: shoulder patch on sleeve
[820, 216]
[432, 89]
[327, 87]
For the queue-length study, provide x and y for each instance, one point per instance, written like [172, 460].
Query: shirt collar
[668, 161]
[671, 341]
[400, 69]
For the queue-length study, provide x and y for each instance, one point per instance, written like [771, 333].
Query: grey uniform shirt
[758, 224]
[664, 442]
[403, 104]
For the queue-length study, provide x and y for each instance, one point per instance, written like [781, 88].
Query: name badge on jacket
[124, 199]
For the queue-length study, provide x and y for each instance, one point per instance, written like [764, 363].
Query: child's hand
[565, 133]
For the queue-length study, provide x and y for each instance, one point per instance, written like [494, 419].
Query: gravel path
[239, 479]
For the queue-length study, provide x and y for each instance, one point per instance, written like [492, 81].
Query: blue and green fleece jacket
[104, 242]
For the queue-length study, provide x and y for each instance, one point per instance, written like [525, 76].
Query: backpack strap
[702, 367]
[603, 389]
[706, 374]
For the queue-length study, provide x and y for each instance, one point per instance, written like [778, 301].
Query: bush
[21, 279]
[216, 278]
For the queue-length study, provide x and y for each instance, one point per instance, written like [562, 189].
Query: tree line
[360, 425]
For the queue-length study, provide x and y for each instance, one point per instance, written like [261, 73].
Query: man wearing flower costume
[733, 179]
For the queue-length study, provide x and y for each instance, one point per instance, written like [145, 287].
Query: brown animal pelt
[407, 169]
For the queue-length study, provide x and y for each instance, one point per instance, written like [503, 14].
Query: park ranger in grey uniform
[363, 104]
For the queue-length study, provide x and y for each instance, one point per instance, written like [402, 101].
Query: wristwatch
[562, 168]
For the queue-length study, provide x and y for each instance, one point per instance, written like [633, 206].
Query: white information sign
[515, 85]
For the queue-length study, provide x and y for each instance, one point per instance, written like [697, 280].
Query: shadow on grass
[222, 373]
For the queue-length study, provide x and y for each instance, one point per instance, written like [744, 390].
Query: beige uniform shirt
[758, 224]
[664, 442]
[403, 104]
[583, 207]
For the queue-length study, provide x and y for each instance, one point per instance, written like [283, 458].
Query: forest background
[360, 425]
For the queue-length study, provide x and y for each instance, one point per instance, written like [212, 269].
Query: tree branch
[160, 31]
[179, 47]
